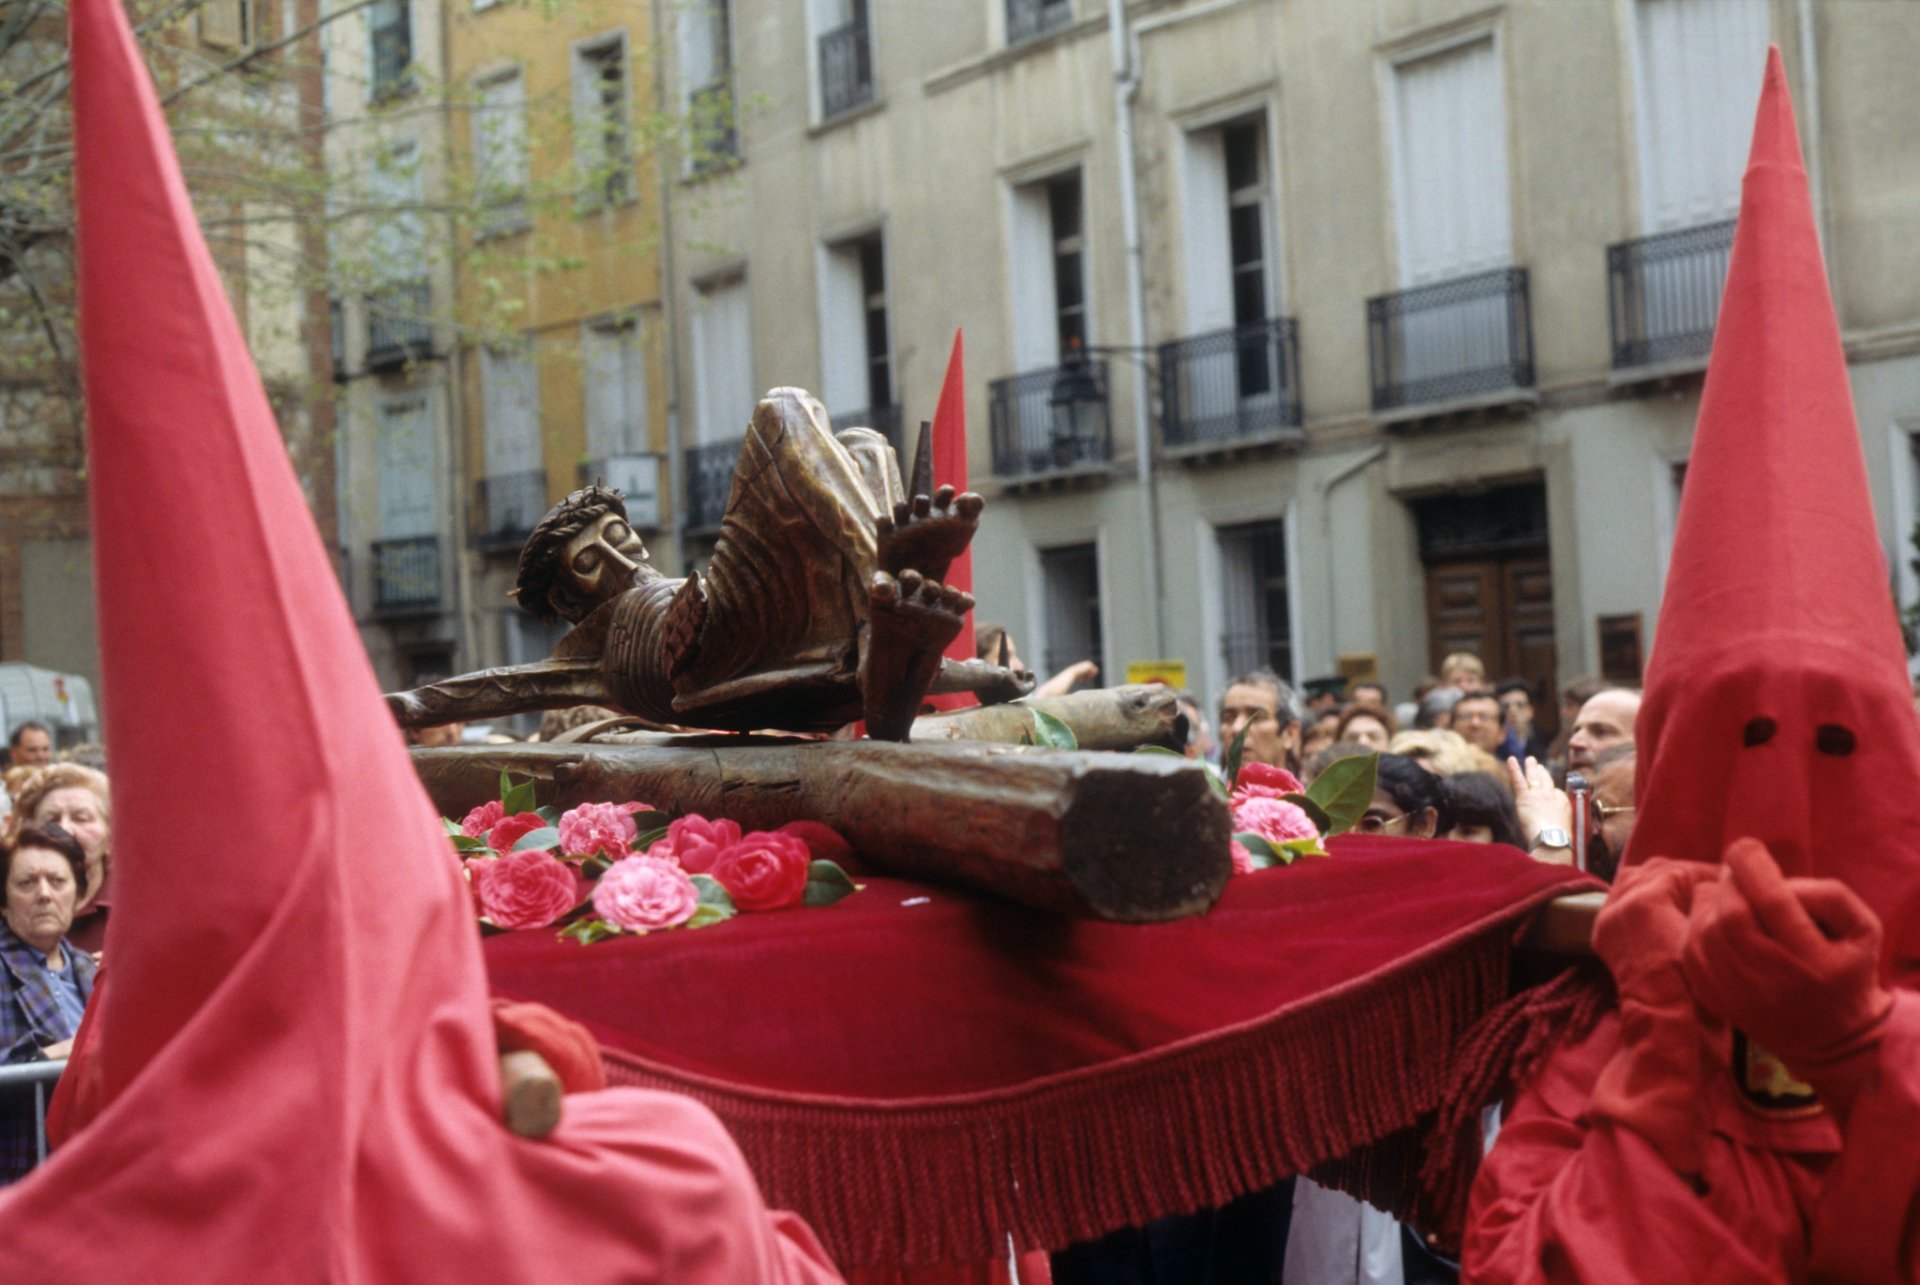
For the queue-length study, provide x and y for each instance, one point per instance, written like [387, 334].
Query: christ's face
[604, 559]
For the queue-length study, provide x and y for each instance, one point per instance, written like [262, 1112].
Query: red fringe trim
[1347, 1074]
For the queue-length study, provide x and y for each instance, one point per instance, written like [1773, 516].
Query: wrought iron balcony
[1463, 340]
[507, 507]
[391, 36]
[1027, 19]
[406, 576]
[1664, 295]
[399, 328]
[1051, 421]
[716, 145]
[709, 481]
[846, 66]
[884, 420]
[1231, 385]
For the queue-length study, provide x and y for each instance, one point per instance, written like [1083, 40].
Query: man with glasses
[1611, 823]
[1263, 705]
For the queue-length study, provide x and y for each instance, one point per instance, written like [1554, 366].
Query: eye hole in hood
[1831, 738]
[1758, 731]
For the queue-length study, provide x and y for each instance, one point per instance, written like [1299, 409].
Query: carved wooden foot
[928, 532]
[911, 620]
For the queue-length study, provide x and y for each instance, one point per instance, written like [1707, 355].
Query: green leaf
[1230, 765]
[519, 798]
[545, 837]
[1257, 847]
[1292, 848]
[453, 828]
[549, 814]
[1315, 813]
[506, 784]
[588, 931]
[712, 892]
[1159, 749]
[467, 843]
[647, 838]
[826, 884]
[1344, 790]
[1050, 733]
[1218, 781]
[707, 916]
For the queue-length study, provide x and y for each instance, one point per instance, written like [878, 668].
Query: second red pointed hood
[1777, 699]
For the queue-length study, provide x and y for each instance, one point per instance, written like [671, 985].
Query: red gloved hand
[1652, 1086]
[1795, 963]
[565, 1044]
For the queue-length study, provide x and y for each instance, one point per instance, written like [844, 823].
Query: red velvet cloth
[293, 1064]
[1315, 1006]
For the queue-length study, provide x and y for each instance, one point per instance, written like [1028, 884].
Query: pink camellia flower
[598, 827]
[525, 889]
[1242, 859]
[510, 830]
[641, 893]
[1274, 820]
[482, 819]
[765, 870]
[1265, 781]
[695, 842]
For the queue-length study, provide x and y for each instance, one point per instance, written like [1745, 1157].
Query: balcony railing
[1231, 385]
[506, 508]
[1465, 339]
[709, 482]
[1029, 18]
[399, 329]
[392, 41]
[1664, 294]
[846, 67]
[710, 111]
[1051, 421]
[636, 476]
[406, 575]
[884, 420]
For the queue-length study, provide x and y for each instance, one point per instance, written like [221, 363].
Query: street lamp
[1078, 406]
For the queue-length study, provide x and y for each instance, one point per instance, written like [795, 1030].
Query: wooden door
[1501, 610]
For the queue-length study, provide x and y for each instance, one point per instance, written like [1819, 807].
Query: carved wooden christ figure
[824, 601]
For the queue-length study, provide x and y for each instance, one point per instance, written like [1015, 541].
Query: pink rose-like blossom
[1265, 781]
[482, 819]
[1242, 859]
[598, 828]
[510, 830]
[1274, 820]
[641, 893]
[525, 889]
[695, 842]
[765, 870]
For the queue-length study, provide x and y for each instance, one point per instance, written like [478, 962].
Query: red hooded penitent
[296, 1071]
[1777, 708]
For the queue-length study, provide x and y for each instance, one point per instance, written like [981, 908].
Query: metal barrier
[1050, 421]
[709, 481]
[39, 1075]
[846, 67]
[406, 575]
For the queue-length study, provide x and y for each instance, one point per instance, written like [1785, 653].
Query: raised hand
[926, 533]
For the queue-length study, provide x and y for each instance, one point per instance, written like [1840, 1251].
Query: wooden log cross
[1135, 838]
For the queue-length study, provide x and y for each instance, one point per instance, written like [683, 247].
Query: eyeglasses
[1371, 824]
[1601, 811]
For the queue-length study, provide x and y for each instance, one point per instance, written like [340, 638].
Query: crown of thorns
[540, 569]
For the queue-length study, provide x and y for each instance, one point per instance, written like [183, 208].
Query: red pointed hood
[1777, 645]
[950, 469]
[298, 1068]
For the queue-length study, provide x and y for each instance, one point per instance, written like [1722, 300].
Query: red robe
[1562, 1199]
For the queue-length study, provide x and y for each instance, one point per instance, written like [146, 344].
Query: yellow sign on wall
[1171, 672]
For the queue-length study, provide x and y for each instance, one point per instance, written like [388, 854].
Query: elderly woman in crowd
[48, 981]
[75, 799]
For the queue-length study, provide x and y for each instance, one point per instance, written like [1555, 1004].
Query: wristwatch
[1551, 836]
